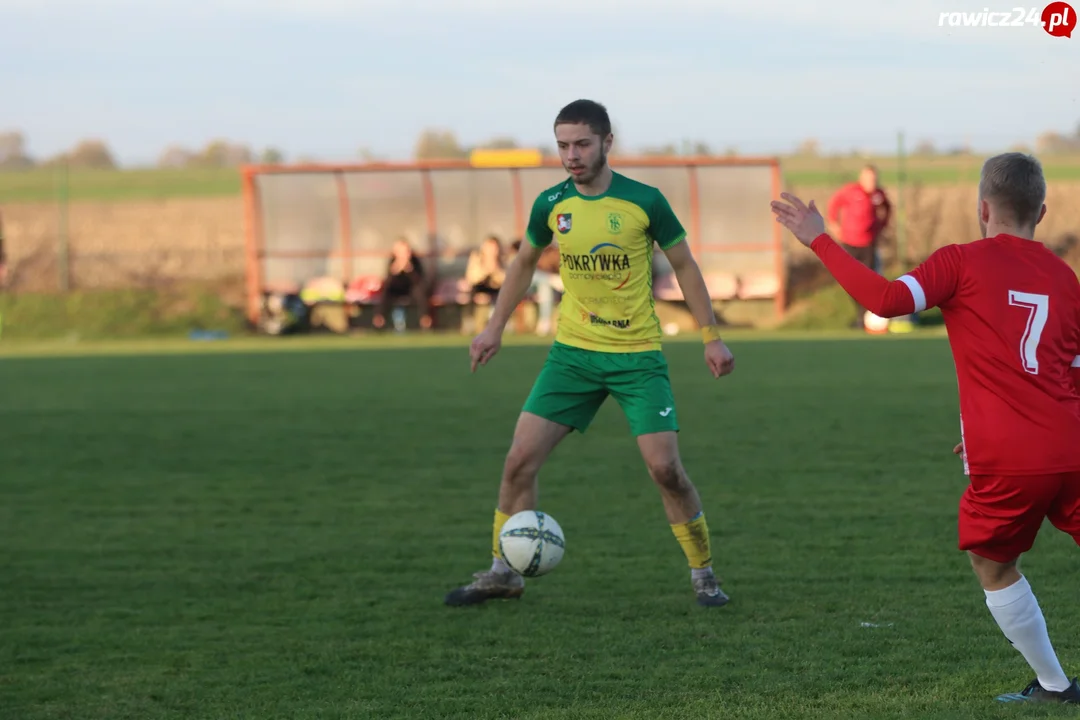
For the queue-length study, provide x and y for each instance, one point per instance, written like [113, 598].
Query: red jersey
[862, 215]
[1012, 311]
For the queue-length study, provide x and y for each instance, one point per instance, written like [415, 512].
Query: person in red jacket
[857, 214]
[1012, 311]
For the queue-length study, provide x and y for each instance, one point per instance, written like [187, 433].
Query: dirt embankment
[125, 244]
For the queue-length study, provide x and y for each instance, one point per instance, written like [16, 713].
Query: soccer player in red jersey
[1012, 311]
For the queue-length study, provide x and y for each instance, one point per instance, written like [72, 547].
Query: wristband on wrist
[710, 333]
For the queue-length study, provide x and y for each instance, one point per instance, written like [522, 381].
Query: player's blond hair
[1014, 183]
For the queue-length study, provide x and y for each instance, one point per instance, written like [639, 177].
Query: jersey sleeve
[538, 231]
[875, 293]
[930, 285]
[935, 281]
[664, 226]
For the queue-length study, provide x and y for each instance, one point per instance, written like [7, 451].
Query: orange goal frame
[255, 249]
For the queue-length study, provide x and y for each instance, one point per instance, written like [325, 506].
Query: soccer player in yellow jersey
[608, 341]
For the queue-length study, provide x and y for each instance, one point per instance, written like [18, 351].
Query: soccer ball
[531, 543]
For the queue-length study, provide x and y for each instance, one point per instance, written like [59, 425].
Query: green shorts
[574, 383]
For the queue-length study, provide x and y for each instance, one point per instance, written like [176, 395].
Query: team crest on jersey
[614, 223]
[563, 223]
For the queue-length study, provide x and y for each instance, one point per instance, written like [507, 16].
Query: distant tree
[925, 147]
[809, 147]
[500, 142]
[696, 148]
[667, 150]
[223, 154]
[174, 157]
[87, 154]
[232, 154]
[272, 156]
[13, 154]
[91, 154]
[439, 145]
[1053, 142]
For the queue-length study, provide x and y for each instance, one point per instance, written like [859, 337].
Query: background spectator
[857, 214]
[486, 271]
[485, 274]
[404, 279]
[546, 282]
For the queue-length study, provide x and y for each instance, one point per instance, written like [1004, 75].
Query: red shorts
[1001, 515]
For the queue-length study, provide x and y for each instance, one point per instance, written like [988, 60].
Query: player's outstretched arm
[518, 279]
[929, 285]
[692, 283]
[519, 276]
[696, 293]
[877, 294]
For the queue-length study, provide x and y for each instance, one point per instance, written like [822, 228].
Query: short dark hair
[586, 112]
[1015, 183]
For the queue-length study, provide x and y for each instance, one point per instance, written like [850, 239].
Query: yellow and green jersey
[606, 253]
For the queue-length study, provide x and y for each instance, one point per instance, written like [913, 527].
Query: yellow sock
[693, 536]
[500, 520]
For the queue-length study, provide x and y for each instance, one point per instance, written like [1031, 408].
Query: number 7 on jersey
[1038, 307]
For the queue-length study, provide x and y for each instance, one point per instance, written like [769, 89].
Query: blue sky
[325, 78]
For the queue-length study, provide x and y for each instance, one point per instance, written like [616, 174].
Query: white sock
[696, 573]
[498, 566]
[1021, 620]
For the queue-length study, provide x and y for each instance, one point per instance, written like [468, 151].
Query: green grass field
[47, 184]
[270, 534]
[44, 184]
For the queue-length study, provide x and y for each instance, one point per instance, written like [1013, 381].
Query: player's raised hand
[719, 358]
[484, 346]
[804, 222]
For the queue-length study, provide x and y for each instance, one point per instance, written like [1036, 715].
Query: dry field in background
[138, 243]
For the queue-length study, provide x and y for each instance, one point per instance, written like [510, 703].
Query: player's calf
[1000, 517]
[534, 439]
[681, 500]
[682, 505]
[517, 490]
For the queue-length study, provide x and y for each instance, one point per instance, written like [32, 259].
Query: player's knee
[994, 574]
[667, 473]
[522, 462]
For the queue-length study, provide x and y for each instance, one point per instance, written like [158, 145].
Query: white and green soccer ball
[531, 543]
